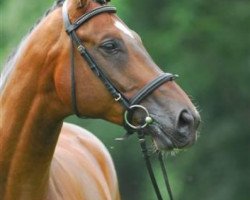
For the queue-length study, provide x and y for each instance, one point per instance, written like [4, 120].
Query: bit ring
[148, 119]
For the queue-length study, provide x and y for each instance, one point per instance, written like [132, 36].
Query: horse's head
[119, 53]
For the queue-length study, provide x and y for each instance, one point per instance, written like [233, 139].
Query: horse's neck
[29, 125]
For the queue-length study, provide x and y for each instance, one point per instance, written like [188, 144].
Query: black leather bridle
[130, 105]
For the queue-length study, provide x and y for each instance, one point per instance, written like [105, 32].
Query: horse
[44, 158]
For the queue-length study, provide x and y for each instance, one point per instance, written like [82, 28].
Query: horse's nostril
[185, 121]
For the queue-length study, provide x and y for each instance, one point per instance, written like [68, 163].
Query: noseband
[130, 105]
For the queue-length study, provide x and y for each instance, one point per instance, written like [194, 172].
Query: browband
[71, 27]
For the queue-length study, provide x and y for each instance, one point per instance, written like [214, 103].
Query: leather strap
[72, 27]
[71, 30]
[118, 96]
[150, 87]
[144, 150]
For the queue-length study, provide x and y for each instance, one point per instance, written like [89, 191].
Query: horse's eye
[110, 47]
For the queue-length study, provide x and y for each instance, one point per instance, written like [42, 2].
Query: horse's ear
[75, 6]
[81, 3]
[77, 3]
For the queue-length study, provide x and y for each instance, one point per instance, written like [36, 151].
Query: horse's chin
[169, 140]
[162, 142]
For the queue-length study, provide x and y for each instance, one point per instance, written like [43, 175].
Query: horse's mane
[11, 60]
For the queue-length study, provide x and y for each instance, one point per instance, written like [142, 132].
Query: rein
[129, 104]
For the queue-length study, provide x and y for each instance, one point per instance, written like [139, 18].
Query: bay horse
[43, 158]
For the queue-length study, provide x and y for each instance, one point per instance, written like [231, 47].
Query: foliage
[207, 43]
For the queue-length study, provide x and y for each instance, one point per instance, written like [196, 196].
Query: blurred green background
[208, 44]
